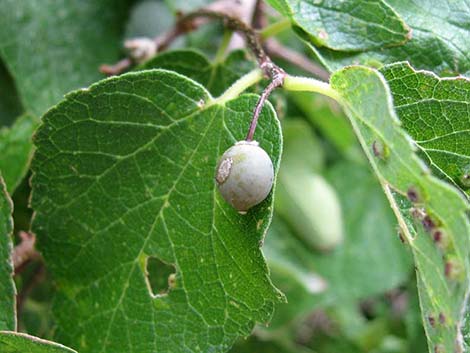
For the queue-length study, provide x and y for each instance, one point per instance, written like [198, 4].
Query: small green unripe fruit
[245, 175]
[311, 207]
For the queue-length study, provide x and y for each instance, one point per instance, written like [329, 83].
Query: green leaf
[16, 150]
[347, 25]
[371, 247]
[10, 105]
[369, 262]
[51, 47]
[15, 342]
[439, 40]
[435, 113]
[7, 286]
[216, 77]
[434, 224]
[125, 171]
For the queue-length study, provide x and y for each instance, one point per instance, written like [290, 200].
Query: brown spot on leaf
[432, 321]
[379, 149]
[453, 269]
[428, 223]
[440, 237]
[413, 194]
[442, 318]
[401, 236]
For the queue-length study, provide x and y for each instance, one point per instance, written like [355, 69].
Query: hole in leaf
[160, 276]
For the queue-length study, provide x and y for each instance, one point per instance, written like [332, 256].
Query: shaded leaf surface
[51, 47]
[216, 77]
[368, 103]
[435, 112]
[440, 29]
[347, 25]
[125, 170]
[369, 262]
[10, 105]
[255, 344]
[330, 120]
[7, 286]
[16, 147]
[14, 342]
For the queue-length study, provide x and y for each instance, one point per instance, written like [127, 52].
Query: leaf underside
[125, 170]
[15, 342]
[442, 267]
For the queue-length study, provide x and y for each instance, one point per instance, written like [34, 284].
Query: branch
[259, 16]
[253, 42]
[116, 69]
[142, 49]
[271, 70]
[246, 15]
[276, 49]
[25, 251]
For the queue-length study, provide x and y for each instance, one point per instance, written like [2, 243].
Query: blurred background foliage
[333, 247]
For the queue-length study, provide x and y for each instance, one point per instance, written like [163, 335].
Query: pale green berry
[310, 205]
[245, 175]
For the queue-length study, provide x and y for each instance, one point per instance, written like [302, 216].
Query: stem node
[277, 76]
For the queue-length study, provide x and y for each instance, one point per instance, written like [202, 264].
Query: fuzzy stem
[298, 83]
[290, 83]
[240, 86]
